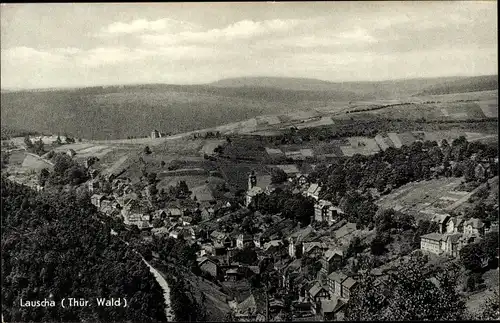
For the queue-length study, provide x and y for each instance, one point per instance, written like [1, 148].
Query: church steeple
[252, 180]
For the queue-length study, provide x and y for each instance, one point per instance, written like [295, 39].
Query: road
[159, 278]
[166, 290]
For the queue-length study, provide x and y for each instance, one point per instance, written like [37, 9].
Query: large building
[324, 211]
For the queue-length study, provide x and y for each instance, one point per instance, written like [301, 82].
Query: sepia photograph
[249, 161]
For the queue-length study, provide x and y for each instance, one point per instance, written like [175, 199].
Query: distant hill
[122, 111]
[470, 84]
[380, 89]
[113, 112]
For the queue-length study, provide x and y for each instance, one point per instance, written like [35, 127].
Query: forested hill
[52, 248]
[471, 84]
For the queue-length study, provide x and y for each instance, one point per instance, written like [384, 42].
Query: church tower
[252, 180]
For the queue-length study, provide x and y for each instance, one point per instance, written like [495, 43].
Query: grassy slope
[119, 112]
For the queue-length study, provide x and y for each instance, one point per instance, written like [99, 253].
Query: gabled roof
[174, 211]
[218, 235]
[302, 234]
[309, 246]
[345, 230]
[293, 265]
[289, 169]
[349, 282]
[314, 189]
[255, 302]
[323, 203]
[315, 289]
[337, 276]
[331, 305]
[329, 254]
[441, 218]
[457, 221]
[433, 236]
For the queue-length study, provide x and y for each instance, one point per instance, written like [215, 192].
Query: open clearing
[422, 197]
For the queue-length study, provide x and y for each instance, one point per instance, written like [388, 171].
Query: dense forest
[53, 248]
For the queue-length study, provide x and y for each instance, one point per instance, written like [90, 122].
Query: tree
[27, 142]
[4, 159]
[491, 309]
[39, 147]
[147, 150]
[414, 297]
[367, 302]
[278, 176]
[58, 141]
[490, 245]
[43, 177]
[472, 256]
[162, 164]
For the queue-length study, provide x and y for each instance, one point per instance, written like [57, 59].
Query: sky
[89, 44]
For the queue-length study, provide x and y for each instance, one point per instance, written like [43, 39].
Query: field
[423, 197]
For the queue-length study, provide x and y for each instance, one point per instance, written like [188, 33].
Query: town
[226, 162]
[294, 243]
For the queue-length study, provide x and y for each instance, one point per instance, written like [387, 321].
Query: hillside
[119, 112]
[115, 112]
[471, 84]
[380, 89]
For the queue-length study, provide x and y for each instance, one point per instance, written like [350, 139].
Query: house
[244, 240]
[317, 293]
[209, 267]
[330, 260]
[331, 309]
[160, 214]
[232, 275]
[273, 246]
[93, 185]
[71, 153]
[290, 273]
[324, 211]
[382, 142]
[455, 225]
[431, 242]
[313, 191]
[97, 199]
[221, 238]
[452, 244]
[340, 285]
[187, 220]
[207, 213]
[253, 308]
[256, 186]
[259, 240]
[174, 213]
[346, 232]
[442, 221]
[313, 249]
[296, 239]
[474, 227]
[290, 170]
[219, 249]
[347, 287]
[155, 134]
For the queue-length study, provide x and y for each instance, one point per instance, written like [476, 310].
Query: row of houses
[453, 233]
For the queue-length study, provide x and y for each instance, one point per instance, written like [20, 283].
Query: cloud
[143, 25]
[241, 30]
[23, 55]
